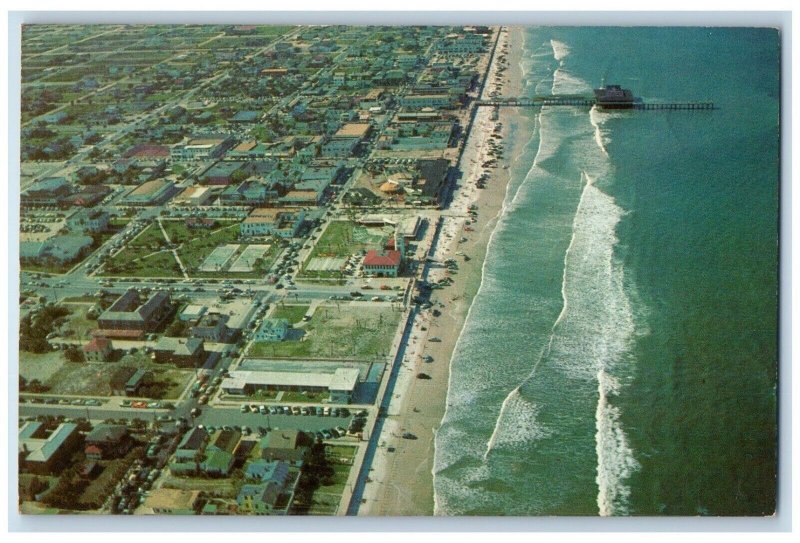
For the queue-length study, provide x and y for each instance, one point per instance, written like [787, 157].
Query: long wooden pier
[570, 100]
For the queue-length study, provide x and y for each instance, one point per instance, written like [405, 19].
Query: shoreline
[402, 472]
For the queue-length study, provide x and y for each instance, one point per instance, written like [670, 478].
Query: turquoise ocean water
[621, 354]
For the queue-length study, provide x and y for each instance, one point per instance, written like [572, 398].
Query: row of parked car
[91, 402]
[296, 410]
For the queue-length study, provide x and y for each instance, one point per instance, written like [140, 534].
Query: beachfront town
[231, 239]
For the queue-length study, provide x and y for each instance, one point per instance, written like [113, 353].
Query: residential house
[119, 379]
[212, 326]
[189, 452]
[98, 349]
[220, 451]
[107, 441]
[284, 446]
[265, 470]
[272, 330]
[258, 499]
[183, 352]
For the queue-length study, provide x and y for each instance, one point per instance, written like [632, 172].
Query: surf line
[588, 181]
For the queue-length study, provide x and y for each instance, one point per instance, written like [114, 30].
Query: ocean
[620, 357]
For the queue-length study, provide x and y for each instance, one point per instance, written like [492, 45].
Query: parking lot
[234, 417]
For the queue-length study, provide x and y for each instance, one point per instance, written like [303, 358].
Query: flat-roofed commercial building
[150, 193]
[340, 384]
[201, 149]
[171, 501]
[427, 100]
[194, 196]
[344, 141]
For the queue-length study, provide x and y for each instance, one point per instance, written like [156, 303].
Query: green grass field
[340, 240]
[362, 333]
[292, 313]
[147, 254]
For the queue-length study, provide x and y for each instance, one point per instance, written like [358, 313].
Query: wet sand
[401, 475]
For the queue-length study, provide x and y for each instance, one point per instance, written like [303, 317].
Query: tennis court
[219, 257]
[326, 263]
[248, 258]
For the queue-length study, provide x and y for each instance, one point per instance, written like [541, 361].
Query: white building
[340, 384]
[272, 222]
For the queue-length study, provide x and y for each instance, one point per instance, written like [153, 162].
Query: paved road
[209, 416]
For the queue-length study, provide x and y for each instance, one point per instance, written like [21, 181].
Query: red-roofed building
[147, 151]
[118, 333]
[93, 452]
[97, 350]
[382, 263]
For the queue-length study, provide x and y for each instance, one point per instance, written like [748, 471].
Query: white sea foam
[589, 339]
[599, 137]
[615, 460]
[444, 456]
[565, 82]
[520, 423]
[560, 50]
[507, 403]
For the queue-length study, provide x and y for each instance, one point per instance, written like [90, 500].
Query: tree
[74, 354]
[176, 329]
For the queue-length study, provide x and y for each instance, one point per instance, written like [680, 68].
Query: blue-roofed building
[272, 330]
[259, 499]
[245, 117]
[42, 451]
[56, 249]
[48, 191]
[266, 471]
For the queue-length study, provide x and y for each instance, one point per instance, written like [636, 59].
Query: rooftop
[149, 188]
[41, 449]
[382, 258]
[340, 379]
[171, 498]
[353, 130]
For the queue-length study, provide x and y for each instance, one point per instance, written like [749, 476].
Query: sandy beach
[401, 475]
